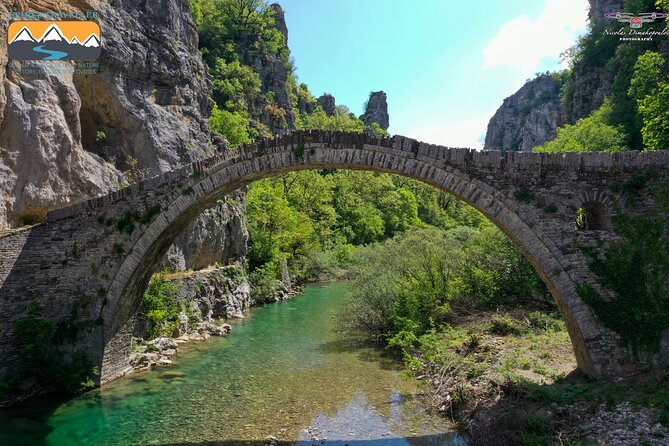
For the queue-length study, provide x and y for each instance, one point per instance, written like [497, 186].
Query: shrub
[543, 321]
[160, 306]
[505, 326]
[234, 126]
[264, 284]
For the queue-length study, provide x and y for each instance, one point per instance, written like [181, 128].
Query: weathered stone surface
[219, 235]
[78, 248]
[150, 100]
[376, 110]
[205, 297]
[327, 102]
[42, 162]
[164, 343]
[160, 117]
[214, 329]
[528, 118]
[600, 7]
[219, 293]
[66, 138]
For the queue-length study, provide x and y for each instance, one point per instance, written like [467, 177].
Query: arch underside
[216, 182]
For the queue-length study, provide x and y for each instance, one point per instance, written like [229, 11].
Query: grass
[504, 375]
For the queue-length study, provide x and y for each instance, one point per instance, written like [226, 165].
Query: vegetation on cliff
[421, 261]
[633, 114]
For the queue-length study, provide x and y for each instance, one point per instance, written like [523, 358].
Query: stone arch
[595, 209]
[212, 180]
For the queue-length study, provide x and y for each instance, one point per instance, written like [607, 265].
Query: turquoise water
[283, 372]
[53, 55]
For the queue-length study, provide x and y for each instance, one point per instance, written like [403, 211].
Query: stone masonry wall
[108, 248]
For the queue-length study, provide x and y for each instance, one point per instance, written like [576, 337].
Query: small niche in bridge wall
[593, 216]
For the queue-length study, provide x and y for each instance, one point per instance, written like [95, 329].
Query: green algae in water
[283, 372]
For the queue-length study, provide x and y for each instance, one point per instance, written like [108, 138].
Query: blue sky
[446, 65]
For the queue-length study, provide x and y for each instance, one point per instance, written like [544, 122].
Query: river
[283, 372]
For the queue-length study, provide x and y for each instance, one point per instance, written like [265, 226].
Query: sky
[446, 65]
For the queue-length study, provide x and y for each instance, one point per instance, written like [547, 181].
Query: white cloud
[525, 42]
[463, 133]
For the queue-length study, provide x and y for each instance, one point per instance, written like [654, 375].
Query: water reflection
[282, 369]
[360, 423]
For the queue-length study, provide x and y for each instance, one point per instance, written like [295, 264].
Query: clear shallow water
[283, 372]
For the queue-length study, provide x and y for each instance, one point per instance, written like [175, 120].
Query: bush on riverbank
[421, 279]
[519, 386]
[161, 307]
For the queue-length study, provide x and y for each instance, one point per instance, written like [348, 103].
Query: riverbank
[192, 306]
[285, 372]
[510, 378]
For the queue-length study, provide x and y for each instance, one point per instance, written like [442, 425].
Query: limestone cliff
[43, 163]
[327, 102]
[65, 138]
[527, 118]
[376, 110]
[273, 71]
[219, 236]
[523, 121]
[600, 7]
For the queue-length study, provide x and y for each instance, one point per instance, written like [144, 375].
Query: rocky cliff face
[273, 72]
[327, 102]
[219, 293]
[590, 84]
[376, 110]
[527, 118]
[43, 163]
[151, 96]
[531, 116]
[600, 7]
[65, 138]
[218, 236]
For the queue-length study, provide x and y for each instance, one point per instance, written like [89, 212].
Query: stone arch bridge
[94, 259]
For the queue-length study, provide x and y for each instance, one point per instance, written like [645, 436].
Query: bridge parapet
[105, 249]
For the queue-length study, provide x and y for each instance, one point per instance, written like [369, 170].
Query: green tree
[159, 305]
[655, 112]
[400, 211]
[648, 73]
[235, 86]
[404, 286]
[275, 227]
[376, 129]
[590, 134]
[649, 88]
[234, 126]
[342, 120]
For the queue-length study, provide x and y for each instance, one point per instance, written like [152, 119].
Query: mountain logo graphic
[60, 40]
